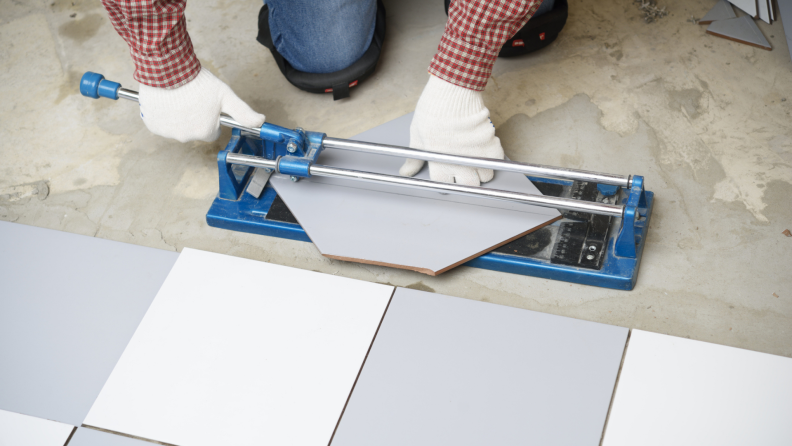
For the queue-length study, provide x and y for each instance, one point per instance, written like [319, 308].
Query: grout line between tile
[361, 366]
[615, 386]
[70, 436]
[135, 437]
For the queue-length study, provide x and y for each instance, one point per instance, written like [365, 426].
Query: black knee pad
[537, 33]
[337, 82]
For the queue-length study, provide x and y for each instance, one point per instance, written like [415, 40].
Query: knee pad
[339, 82]
[539, 32]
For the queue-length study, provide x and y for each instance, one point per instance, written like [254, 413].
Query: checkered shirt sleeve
[474, 34]
[156, 33]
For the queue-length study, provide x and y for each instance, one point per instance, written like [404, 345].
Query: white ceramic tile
[401, 227]
[675, 391]
[449, 371]
[24, 430]
[239, 352]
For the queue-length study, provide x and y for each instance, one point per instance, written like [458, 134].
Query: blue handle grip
[94, 85]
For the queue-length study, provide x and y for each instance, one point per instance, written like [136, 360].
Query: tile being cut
[721, 11]
[69, 305]
[24, 430]
[405, 228]
[238, 352]
[742, 29]
[449, 371]
[690, 393]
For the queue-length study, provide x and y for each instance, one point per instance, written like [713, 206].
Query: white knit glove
[192, 112]
[452, 119]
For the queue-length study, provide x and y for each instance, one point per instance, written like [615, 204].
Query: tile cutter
[599, 242]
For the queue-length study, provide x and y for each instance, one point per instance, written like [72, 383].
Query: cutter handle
[95, 85]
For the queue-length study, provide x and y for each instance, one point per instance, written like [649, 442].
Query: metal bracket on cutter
[258, 181]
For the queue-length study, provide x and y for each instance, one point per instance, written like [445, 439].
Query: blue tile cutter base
[235, 210]
[599, 242]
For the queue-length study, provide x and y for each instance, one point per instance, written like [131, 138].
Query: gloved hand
[192, 112]
[452, 119]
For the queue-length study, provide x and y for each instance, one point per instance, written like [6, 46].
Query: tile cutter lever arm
[336, 172]
[294, 151]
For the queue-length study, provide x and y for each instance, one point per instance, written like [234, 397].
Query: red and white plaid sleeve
[474, 34]
[156, 33]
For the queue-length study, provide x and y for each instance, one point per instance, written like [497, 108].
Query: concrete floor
[706, 120]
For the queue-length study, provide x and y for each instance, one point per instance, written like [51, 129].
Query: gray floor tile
[721, 11]
[742, 29]
[449, 371]
[68, 306]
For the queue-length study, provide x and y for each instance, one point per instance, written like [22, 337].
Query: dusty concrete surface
[706, 120]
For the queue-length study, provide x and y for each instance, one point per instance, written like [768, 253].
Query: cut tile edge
[768, 48]
[433, 273]
[741, 30]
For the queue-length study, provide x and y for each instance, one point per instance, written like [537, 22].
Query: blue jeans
[545, 7]
[322, 36]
